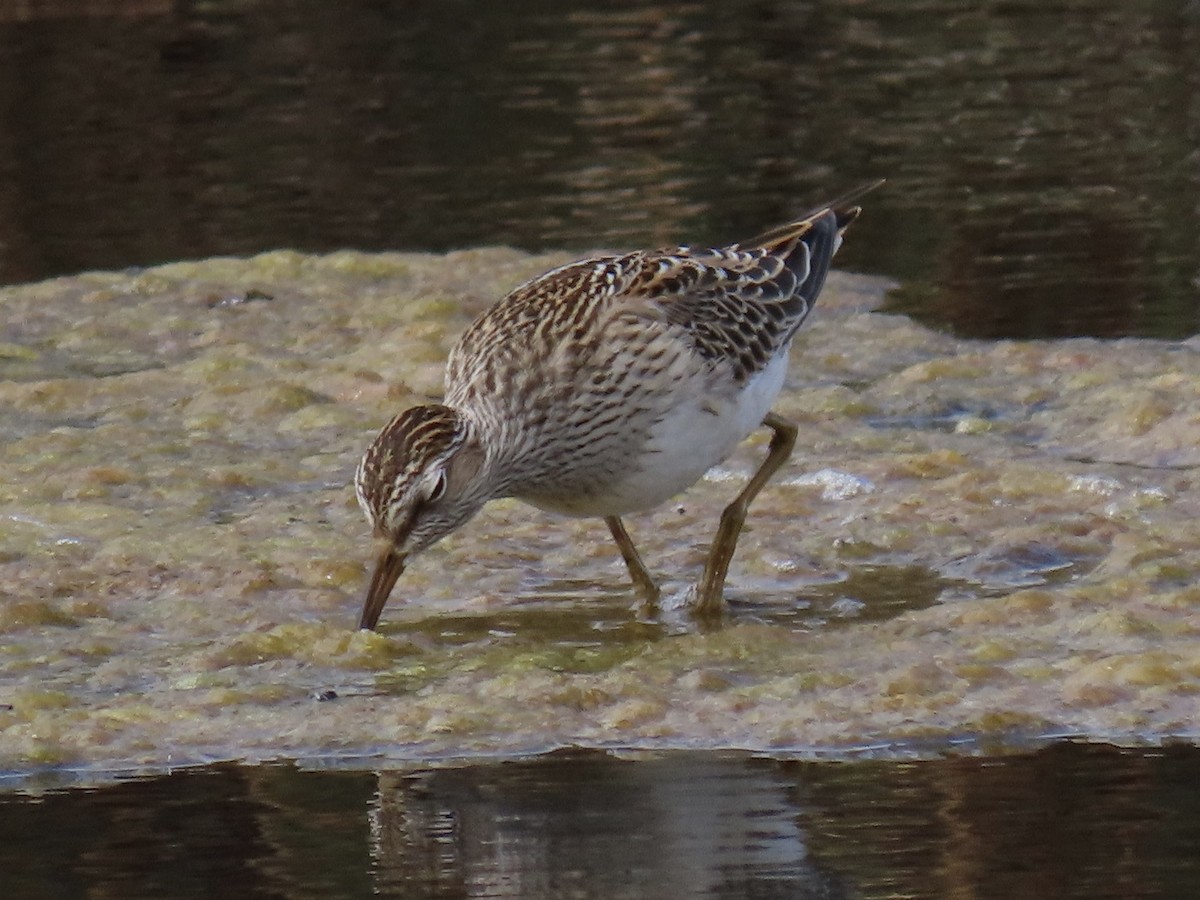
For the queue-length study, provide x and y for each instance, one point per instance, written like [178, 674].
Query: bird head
[418, 481]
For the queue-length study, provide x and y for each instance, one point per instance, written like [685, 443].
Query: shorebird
[602, 388]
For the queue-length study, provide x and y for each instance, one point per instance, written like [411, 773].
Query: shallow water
[1071, 820]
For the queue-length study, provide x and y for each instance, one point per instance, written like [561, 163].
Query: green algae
[988, 539]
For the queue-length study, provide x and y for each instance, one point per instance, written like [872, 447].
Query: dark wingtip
[844, 207]
[845, 215]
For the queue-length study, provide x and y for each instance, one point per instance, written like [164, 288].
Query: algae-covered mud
[975, 543]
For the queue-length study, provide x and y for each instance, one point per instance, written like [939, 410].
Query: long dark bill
[388, 567]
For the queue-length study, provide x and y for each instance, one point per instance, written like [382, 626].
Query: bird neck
[495, 437]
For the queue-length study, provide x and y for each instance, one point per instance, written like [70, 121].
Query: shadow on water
[582, 614]
[861, 594]
[1069, 820]
[581, 627]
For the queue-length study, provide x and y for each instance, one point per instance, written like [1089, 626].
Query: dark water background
[1064, 822]
[1043, 157]
[1043, 165]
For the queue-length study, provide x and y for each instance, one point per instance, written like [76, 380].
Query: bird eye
[439, 488]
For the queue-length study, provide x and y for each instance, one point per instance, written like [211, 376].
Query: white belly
[701, 430]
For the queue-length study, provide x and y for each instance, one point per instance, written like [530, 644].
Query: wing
[735, 306]
[738, 305]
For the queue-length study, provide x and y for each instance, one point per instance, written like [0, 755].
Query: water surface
[1086, 821]
[1041, 157]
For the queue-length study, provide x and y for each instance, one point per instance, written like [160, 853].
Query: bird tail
[843, 209]
[808, 244]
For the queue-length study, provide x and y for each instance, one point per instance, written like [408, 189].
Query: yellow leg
[633, 560]
[710, 598]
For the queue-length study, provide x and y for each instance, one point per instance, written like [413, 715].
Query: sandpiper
[602, 388]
